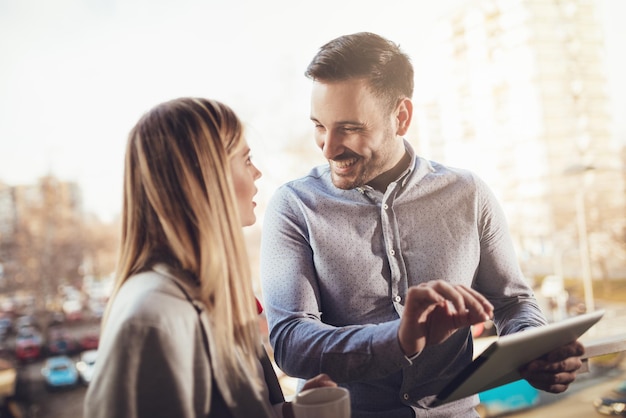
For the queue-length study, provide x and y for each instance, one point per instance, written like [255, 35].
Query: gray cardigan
[155, 359]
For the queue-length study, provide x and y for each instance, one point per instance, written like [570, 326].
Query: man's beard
[368, 169]
[363, 175]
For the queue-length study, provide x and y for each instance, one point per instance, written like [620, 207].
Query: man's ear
[404, 114]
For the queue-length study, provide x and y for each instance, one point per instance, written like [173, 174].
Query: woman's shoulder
[150, 284]
[151, 298]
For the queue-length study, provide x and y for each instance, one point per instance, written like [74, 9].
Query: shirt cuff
[387, 348]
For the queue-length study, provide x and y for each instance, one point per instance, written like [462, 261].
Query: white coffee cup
[323, 402]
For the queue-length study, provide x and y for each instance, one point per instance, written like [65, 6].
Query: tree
[52, 242]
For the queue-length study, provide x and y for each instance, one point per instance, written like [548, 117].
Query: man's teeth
[345, 163]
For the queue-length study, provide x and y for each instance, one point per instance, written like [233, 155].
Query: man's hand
[319, 381]
[435, 310]
[555, 371]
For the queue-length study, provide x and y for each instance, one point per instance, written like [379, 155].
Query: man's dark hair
[388, 70]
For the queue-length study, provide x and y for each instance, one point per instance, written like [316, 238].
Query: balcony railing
[602, 346]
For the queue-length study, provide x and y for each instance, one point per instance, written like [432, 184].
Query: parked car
[505, 399]
[60, 342]
[89, 341]
[613, 403]
[28, 344]
[86, 364]
[25, 321]
[6, 325]
[73, 310]
[59, 372]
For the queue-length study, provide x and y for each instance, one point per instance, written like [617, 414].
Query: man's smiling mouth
[344, 164]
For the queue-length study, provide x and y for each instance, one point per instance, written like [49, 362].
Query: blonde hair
[179, 207]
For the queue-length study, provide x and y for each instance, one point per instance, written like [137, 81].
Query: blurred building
[7, 226]
[521, 98]
[39, 239]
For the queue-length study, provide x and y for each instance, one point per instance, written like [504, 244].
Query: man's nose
[331, 145]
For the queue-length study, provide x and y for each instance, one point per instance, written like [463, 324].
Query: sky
[75, 75]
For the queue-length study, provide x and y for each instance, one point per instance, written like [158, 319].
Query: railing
[602, 346]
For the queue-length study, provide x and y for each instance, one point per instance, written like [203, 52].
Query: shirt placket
[391, 236]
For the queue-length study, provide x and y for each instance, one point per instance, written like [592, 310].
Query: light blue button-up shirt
[335, 269]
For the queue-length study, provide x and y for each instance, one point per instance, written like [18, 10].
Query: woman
[180, 335]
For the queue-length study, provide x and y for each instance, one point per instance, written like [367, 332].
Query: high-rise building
[37, 222]
[521, 98]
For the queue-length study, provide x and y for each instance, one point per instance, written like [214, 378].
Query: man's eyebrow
[342, 122]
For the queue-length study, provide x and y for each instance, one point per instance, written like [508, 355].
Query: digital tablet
[498, 364]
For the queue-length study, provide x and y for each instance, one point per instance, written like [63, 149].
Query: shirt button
[385, 206]
[397, 299]
[392, 252]
[406, 396]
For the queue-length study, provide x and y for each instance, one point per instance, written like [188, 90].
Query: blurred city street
[33, 396]
[37, 401]
[577, 402]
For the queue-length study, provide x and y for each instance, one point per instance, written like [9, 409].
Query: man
[375, 266]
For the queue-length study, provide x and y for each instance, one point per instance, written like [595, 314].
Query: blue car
[59, 372]
[514, 396]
